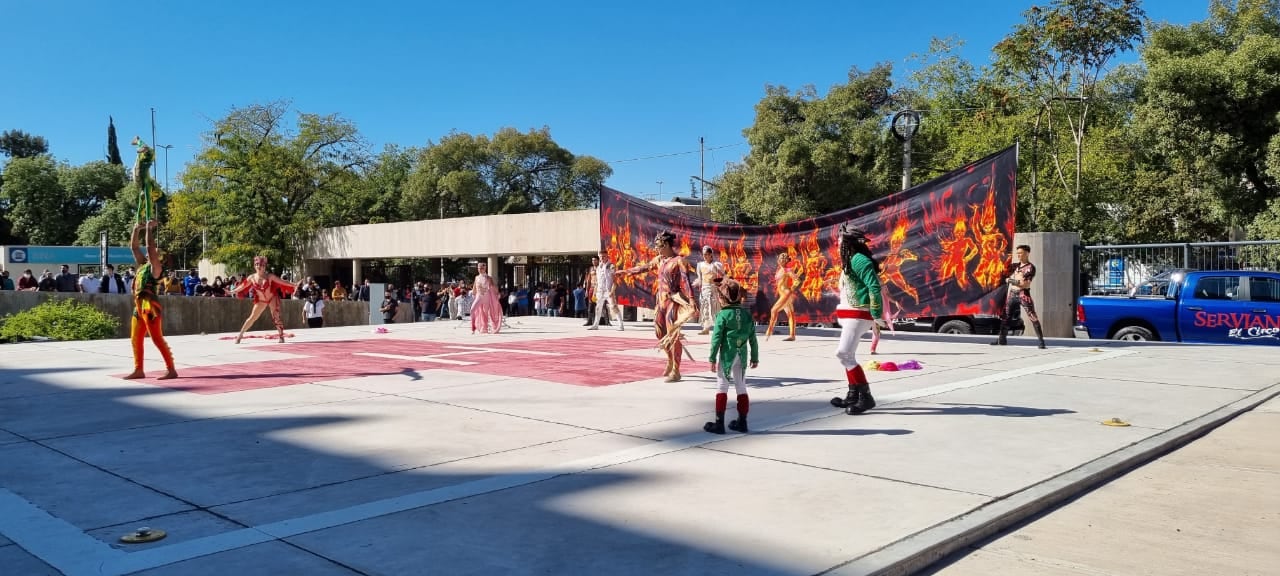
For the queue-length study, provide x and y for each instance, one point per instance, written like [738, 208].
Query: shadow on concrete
[972, 410]
[244, 468]
[843, 432]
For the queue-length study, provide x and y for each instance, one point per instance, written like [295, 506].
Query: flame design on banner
[942, 245]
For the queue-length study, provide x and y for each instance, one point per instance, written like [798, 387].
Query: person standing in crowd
[313, 308]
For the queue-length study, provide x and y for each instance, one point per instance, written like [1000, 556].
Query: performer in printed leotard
[674, 300]
[265, 286]
[146, 307]
[486, 311]
[785, 283]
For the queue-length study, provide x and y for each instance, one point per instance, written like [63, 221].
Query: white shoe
[619, 326]
[593, 327]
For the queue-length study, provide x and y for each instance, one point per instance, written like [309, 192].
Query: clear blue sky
[613, 81]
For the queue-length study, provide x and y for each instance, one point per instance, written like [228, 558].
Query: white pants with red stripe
[853, 325]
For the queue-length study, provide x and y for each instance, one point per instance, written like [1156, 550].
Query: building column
[356, 277]
[493, 271]
[1054, 286]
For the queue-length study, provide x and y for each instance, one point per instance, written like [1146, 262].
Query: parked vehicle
[1212, 307]
[975, 324]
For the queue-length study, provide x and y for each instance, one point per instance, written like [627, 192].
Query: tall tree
[512, 172]
[113, 150]
[260, 182]
[1057, 58]
[812, 154]
[1211, 103]
[35, 199]
[19, 144]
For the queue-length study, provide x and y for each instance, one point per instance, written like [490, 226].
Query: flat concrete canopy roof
[533, 234]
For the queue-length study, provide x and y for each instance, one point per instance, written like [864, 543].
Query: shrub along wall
[194, 315]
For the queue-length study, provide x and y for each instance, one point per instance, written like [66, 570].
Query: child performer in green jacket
[734, 331]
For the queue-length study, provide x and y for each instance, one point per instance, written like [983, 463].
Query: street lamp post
[166, 165]
[904, 127]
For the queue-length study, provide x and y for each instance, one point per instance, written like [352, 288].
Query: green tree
[375, 193]
[116, 218]
[113, 150]
[260, 182]
[1057, 59]
[1211, 104]
[19, 144]
[513, 172]
[813, 154]
[35, 198]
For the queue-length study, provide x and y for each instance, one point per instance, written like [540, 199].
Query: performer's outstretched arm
[138, 257]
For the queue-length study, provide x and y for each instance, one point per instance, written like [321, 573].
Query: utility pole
[702, 148]
[155, 168]
[659, 189]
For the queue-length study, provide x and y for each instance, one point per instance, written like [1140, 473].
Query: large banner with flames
[942, 246]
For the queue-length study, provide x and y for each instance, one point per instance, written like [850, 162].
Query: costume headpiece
[262, 259]
[665, 237]
[848, 230]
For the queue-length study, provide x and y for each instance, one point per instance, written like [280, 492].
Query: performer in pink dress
[486, 310]
[266, 287]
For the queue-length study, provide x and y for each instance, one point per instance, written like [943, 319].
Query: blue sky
[614, 81]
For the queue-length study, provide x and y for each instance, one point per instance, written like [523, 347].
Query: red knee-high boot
[744, 405]
[717, 427]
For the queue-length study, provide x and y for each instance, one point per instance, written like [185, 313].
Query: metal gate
[1145, 268]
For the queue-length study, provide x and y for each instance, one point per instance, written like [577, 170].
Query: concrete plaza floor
[549, 449]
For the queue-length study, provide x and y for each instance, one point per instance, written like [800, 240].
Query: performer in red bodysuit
[266, 287]
[675, 300]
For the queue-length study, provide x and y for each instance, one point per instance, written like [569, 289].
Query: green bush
[59, 319]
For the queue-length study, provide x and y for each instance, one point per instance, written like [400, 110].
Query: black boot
[1039, 333]
[739, 425]
[716, 427]
[850, 399]
[864, 402]
[1004, 334]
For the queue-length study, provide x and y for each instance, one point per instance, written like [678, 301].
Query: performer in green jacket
[734, 331]
[860, 308]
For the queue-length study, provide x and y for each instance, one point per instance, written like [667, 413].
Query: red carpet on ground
[580, 361]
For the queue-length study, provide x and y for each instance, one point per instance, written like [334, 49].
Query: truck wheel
[955, 327]
[1134, 334]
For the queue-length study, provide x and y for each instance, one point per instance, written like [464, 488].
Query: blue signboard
[71, 255]
[1115, 272]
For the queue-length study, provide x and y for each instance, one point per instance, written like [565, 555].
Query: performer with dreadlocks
[265, 287]
[675, 300]
[859, 310]
[734, 332]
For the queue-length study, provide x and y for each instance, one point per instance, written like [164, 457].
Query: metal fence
[1118, 269]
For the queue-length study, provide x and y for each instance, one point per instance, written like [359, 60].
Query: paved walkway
[427, 450]
[1212, 507]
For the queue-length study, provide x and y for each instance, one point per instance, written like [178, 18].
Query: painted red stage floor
[581, 361]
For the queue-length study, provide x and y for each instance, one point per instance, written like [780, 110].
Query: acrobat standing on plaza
[265, 286]
[674, 304]
[486, 310]
[605, 291]
[147, 314]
